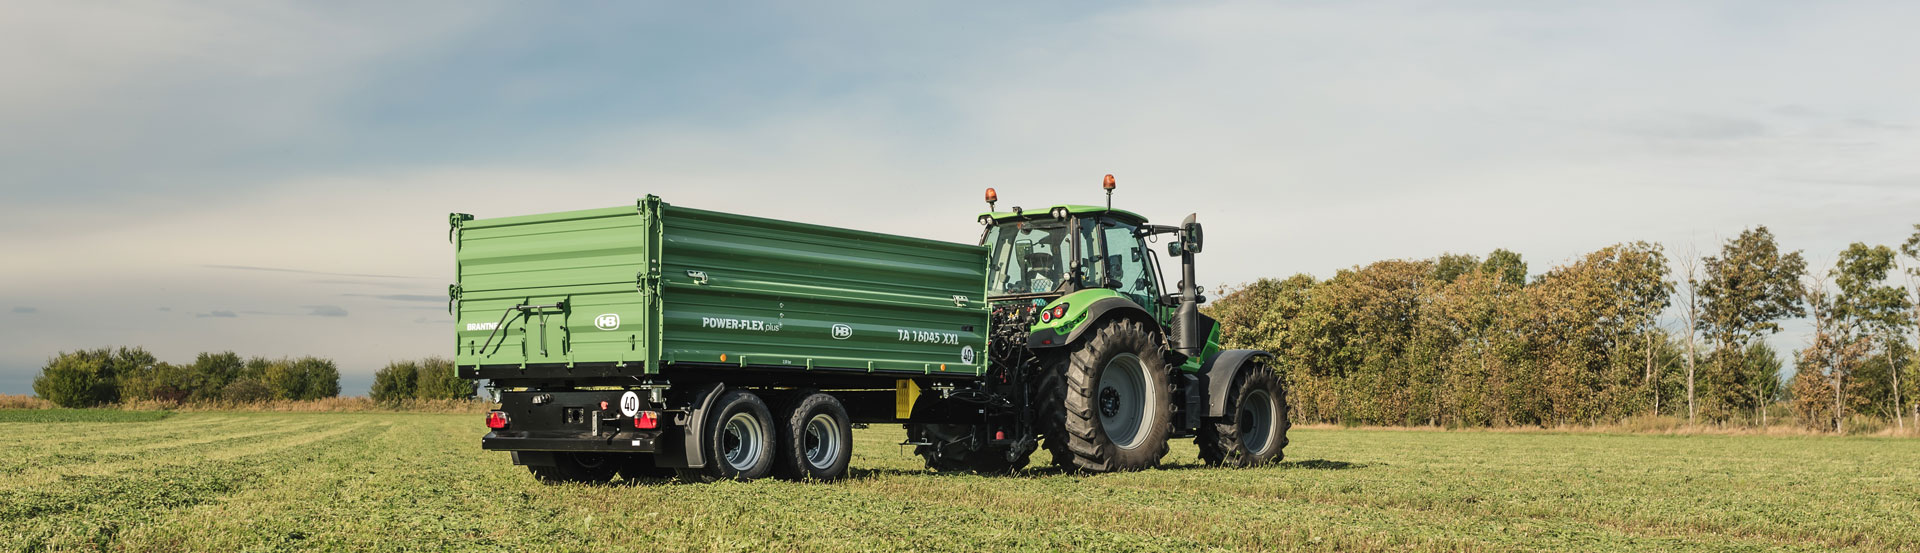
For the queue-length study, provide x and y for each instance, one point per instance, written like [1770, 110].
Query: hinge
[453, 296]
[454, 222]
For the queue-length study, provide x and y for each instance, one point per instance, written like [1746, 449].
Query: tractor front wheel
[1109, 406]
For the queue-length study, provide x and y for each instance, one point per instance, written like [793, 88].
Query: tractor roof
[1121, 214]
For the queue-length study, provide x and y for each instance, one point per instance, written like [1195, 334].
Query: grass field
[214, 481]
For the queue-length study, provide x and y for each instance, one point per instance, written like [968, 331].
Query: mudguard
[686, 452]
[1218, 372]
[1081, 317]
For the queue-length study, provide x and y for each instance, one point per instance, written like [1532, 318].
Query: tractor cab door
[1121, 262]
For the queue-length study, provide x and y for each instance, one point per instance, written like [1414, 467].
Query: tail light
[1059, 311]
[646, 420]
[497, 420]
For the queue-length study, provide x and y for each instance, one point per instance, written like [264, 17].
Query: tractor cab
[1043, 255]
[1083, 255]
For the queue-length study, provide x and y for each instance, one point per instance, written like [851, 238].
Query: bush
[87, 378]
[395, 382]
[164, 382]
[79, 379]
[246, 390]
[303, 378]
[436, 379]
[212, 372]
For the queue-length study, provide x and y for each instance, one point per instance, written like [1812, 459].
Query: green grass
[80, 415]
[419, 482]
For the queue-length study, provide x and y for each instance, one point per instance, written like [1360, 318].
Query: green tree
[157, 382]
[1744, 294]
[1507, 266]
[436, 379]
[78, 379]
[1874, 309]
[86, 378]
[396, 381]
[212, 372]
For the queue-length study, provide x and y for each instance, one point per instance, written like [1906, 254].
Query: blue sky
[274, 178]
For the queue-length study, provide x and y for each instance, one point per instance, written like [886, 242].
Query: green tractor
[1095, 358]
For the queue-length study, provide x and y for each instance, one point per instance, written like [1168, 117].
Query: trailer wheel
[816, 439]
[639, 466]
[951, 448]
[1254, 432]
[591, 468]
[738, 441]
[1113, 401]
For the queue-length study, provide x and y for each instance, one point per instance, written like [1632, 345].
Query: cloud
[217, 314]
[1694, 126]
[25, 310]
[165, 309]
[401, 297]
[325, 310]
[302, 271]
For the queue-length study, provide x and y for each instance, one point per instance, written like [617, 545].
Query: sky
[273, 178]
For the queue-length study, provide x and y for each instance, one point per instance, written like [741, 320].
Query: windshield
[1028, 257]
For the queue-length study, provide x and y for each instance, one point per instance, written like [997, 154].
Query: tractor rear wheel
[1108, 408]
[1254, 432]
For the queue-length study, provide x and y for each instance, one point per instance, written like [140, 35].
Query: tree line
[430, 378]
[87, 378]
[1460, 340]
[103, 376]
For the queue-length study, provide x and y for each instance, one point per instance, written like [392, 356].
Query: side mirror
[1190, 235]
[1173, 248]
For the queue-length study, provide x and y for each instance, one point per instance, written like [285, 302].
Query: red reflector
[1046, 342]
[603, 406]
[999, 434]
[646, 420]
[497, 420]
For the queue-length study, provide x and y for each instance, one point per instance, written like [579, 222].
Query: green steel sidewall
[774, 293]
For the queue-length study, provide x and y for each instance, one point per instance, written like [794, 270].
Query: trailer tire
[1112, 398]
[738, 440]
[589, 468]
[1254, 430]
[816, 439]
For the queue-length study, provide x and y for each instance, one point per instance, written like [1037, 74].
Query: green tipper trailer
[622, 291]
[653, 341]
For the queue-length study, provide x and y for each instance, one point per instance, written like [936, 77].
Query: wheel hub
[1109, 402]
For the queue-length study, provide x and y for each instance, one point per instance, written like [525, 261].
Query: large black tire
[590, 468]
[1107, 409]
[1254, 430]
[816, 439]
[638, 467]
[739, 439]
[950, 449]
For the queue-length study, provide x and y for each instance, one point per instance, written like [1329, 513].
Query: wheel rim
[822, 441]
[742, 441]
[1122, 400]
[1256, 422]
